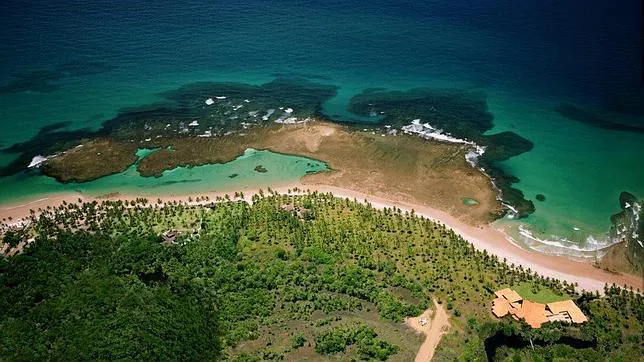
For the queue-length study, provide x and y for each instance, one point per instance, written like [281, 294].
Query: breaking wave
[427, 131]
[589, 247]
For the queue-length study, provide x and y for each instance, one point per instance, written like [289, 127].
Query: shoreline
[486, 237]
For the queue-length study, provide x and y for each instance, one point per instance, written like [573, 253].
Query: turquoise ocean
[527, 56]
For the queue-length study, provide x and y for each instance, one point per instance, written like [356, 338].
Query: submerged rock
[260, 169]
[577, 114]
[541, 197]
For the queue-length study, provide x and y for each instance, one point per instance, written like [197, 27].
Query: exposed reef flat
[402, 167]
[199, 110]
[91, 160]
[205, 123]
[456, 116]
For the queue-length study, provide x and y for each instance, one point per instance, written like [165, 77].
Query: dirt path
[433, 330]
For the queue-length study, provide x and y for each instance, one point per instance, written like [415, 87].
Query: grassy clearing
[539, 294]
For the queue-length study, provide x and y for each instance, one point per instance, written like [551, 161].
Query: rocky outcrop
[628, 227]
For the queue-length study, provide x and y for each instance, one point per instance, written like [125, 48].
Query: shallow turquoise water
[527, 56]
[180, 181]
[580, 169]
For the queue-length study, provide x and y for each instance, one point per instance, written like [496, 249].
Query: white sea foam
[291, 120]
[427, 131]
[637, 212]
[193, 124]
[513, 211]
[589, 248]
[636, 209]
[37, 161]
[284, 120]
[268, 114]
[472, 156]
[209, 101]
[220, 97]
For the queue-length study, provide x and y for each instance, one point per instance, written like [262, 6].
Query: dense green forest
[264, 281]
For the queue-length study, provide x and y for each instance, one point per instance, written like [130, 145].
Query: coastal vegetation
[255, 281]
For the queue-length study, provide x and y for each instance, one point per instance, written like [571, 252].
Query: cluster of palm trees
[349, 248]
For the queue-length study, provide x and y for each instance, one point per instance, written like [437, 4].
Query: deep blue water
[527, 55]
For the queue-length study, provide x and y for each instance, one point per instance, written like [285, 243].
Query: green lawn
[544, 295]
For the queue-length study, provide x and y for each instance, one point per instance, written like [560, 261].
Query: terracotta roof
[568, 306]
[500, 307]
[533, 313]
[508, 294]
[563, 317]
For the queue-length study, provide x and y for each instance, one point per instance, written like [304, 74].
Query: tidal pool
[179, 181]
